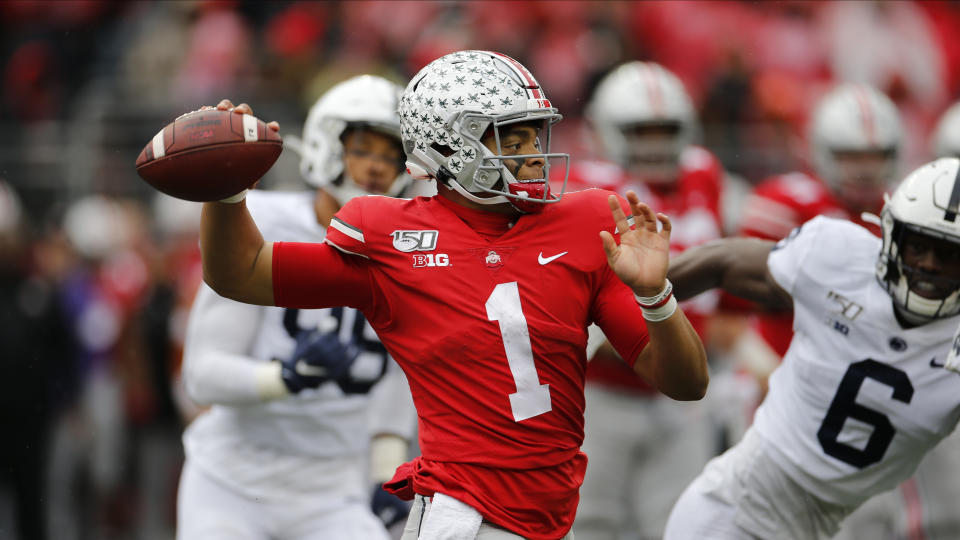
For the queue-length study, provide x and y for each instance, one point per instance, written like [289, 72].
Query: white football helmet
[855, 118]
[637, 95]
[946, 138]
[447, 109]
[927, 202]
[364, 101]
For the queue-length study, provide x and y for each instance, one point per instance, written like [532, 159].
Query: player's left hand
[388, 507]
[643, 255]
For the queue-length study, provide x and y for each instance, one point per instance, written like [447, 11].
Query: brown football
[209, 155]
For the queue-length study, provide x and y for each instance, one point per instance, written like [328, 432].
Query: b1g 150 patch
[407, 241]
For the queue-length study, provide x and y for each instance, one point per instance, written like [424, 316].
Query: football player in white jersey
[861, 395]
[924, 505]
[284, 451]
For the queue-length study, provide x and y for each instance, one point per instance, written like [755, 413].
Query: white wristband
[387, 452]
[661, 313]
[660, 306]
[268, 381]
[235, 198]
[657, 299]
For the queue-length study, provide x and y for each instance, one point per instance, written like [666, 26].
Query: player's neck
[480, 218]
[453, 196]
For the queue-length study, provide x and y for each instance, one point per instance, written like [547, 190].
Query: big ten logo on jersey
[409, 241]
[430, 259]
[846, 308]
[351, 327]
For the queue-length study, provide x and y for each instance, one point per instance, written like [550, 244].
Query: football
[208, 155]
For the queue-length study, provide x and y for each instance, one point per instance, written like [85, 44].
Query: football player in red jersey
[483, 295]
[855, 138]
[646, 125]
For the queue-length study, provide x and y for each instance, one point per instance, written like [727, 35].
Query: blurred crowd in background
[97, 272]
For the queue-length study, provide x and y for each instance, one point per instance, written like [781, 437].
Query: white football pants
[452, 520]
[207, 510]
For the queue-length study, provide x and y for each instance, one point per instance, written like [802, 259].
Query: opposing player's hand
[243, 108]
[388, 507]
[643, 255]
[317, 358]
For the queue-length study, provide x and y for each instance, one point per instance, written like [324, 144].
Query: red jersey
[776, 207]
[693, 204]
[488, 321]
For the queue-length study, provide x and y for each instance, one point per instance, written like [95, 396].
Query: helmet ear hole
[443, 149]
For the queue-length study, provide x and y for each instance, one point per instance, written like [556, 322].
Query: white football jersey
[269, 447]
[858, 400]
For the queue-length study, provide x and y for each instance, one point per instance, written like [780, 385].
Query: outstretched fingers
[610, 246]
[645, 218]
[643, 215]
[619, 218]
[665, 224]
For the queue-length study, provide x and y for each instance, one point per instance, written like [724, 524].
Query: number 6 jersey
[488, 320]
[858, 399]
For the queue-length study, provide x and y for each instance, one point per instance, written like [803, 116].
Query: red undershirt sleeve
[308, 276]
[616, 313]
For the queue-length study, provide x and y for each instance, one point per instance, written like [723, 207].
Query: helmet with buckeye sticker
[464, 98]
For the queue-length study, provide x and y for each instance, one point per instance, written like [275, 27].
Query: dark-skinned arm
[237, 262]
[736, 265]
[674, 361]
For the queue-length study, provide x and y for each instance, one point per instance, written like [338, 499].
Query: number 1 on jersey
[531, 398]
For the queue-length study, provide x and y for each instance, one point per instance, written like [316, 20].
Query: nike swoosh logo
[934, 364]
[303, 368]
[546, 260]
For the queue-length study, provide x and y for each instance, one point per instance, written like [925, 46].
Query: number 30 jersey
[491, 331]
[858, 399]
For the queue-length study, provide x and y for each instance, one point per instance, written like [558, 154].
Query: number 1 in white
[531, 398]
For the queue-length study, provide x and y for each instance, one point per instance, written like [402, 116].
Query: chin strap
[871, 218]
[497, 199]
